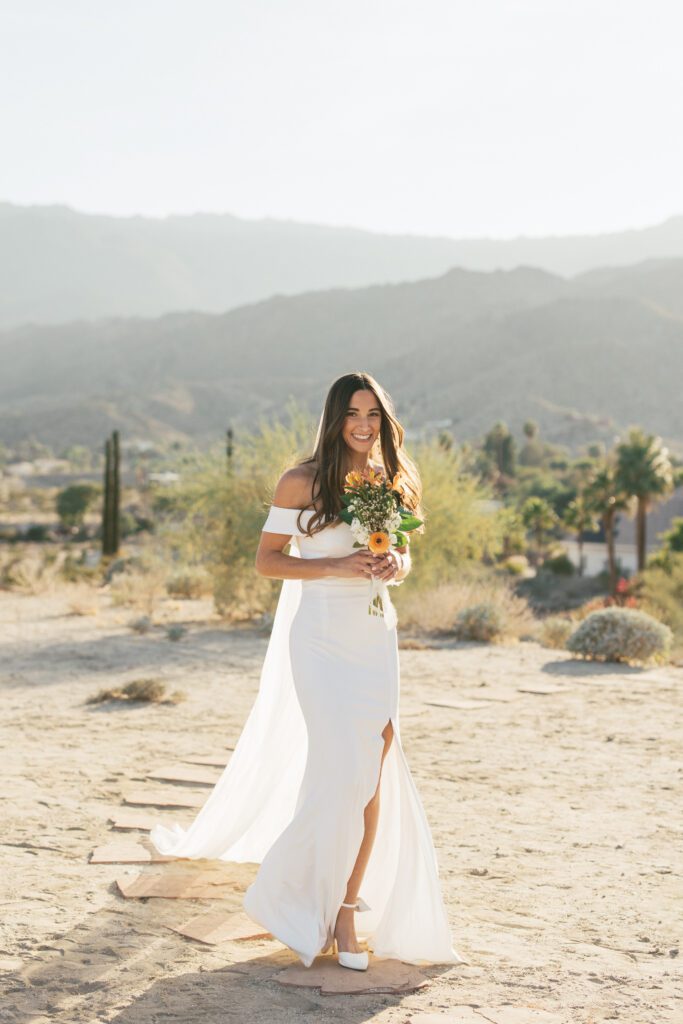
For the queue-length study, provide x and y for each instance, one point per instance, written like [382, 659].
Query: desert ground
[552, 787]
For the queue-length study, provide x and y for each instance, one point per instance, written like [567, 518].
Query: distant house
[19, 469]
[164, 478]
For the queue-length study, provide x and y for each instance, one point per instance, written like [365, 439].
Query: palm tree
[644, 471]
[579, 517]
[605, 498]
[539, 517]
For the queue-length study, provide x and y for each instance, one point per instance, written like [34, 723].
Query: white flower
[360, 533]
[395, 521]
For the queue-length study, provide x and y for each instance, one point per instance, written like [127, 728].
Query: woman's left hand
[386, 565]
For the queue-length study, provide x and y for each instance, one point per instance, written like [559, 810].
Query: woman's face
[362, 422]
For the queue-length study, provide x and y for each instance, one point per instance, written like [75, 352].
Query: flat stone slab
[458, 1015]
[218, 926]
[546, 689]
[126, 851]
[459, 705]
[186, 773]
[134, 818]
[381, 976]
[519, 1015]
[489, 1015]
[165, 798]
[494, 696]
[218, 762]
[200, 885]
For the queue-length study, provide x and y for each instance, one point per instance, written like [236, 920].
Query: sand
[552, 787]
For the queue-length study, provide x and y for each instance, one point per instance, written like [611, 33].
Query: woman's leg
[345, 931]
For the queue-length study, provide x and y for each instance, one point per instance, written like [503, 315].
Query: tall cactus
[229, 448]
[112, 495]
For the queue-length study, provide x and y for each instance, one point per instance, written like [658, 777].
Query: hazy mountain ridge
[585, 357]
[58, 264]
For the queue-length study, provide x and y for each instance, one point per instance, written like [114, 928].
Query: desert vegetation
[491, 565]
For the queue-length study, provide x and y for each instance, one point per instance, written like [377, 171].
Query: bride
[321, 749]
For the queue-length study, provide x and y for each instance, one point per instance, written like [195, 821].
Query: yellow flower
[353, 478]
[379, 542]
[373, 476]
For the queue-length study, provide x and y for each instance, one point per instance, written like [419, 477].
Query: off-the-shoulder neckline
[284, 509]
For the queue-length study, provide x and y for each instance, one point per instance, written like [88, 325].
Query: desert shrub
[483, 622]
[31, 570]
[37, 533]
[142, 624]
[515, 565]
[555, 631]
[561, 565]
[191, 582]
[210, 526]
[176, 631]
[621, 634]
[141, 587]
[660, 593]
[436, 609]
[461, 525]
[74, 501]
[151, 691]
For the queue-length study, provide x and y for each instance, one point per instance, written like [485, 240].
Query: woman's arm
[294, 491]
[406, 563]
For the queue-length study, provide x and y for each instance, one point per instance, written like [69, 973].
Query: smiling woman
[322, 747]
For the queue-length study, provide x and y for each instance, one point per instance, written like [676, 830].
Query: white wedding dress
[307, 762]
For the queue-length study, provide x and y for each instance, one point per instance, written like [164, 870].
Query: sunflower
[379, 542]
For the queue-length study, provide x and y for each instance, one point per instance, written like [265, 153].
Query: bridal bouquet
[371, 505]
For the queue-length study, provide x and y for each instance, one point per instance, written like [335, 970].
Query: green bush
[660, 591]
[555, 632]
[621, 634]
[561, 565]
[482, 622]
[515, 565]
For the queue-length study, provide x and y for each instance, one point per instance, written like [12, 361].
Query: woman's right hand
[359, 564]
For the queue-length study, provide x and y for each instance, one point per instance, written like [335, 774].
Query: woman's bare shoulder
[294, 488]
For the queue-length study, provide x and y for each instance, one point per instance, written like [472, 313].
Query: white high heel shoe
[356, 961]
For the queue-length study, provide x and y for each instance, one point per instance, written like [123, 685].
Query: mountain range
[58, 264]
[585, 357]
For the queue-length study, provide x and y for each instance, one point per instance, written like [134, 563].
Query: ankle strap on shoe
[360, 904]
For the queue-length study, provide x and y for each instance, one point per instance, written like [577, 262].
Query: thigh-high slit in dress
[292, 797]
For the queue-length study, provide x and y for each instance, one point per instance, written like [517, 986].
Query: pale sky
[454, 117]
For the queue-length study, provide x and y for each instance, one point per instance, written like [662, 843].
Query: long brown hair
[329, 451]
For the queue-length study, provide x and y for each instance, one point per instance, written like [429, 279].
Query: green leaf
[401, 539]
[346, 516]
[410, 522]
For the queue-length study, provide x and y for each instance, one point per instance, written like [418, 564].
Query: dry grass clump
[31, 571]
[554, 632]
[140, 588]
[151, 691]
[481, 608]
[190, 583]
